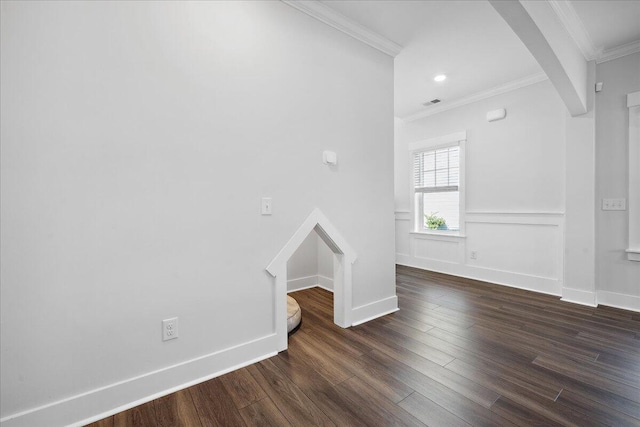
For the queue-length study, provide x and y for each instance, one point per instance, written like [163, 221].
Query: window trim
[457, 138]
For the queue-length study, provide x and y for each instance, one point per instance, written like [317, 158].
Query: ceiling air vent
[433, 101]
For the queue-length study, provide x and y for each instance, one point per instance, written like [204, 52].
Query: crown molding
[574, 26]
[619, 52]
[331, 17]
[498, 90]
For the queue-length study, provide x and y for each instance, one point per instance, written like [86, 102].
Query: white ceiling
[470, 43]
[610, 24]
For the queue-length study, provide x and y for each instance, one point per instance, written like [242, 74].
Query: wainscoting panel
[530, 249]
[612, 299]
[518, 249]
[433, 248]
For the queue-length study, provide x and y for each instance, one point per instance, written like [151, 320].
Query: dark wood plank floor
[458, 353]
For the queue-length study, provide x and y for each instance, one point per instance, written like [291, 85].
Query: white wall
[616, 274]
[515, 164]
[137, 140]
[401, 175]
[310, 265]
[325, 265]
[302, 267]
[514, 191]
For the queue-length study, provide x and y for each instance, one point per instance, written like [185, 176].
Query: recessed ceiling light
[440, 78]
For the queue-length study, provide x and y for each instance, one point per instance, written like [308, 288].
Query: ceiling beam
[573, 24]
[541, 32]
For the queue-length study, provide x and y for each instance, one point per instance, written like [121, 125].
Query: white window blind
[436, 181]
[437, 170]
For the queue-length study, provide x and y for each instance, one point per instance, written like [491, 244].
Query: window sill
[452, 234]
[633, 254]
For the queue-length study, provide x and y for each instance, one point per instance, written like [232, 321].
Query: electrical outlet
[170, 329]
[473, 255]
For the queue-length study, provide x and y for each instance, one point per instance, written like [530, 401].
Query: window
[437, 184]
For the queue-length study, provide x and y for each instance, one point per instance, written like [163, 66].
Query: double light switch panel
[614, 204]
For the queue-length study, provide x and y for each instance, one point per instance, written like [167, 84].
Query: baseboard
[526, 282]
[94, 405]
[325, 283]
[376, 309]
[578, 296]
[612, 299]
[318, 281]
[302, 283]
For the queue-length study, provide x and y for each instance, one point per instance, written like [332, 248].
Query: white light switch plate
[614, 204]
[266, 206]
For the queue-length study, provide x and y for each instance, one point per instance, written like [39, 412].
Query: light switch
[614, 204]
[266, 206]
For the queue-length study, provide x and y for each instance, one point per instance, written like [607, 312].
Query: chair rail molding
[403, 215]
